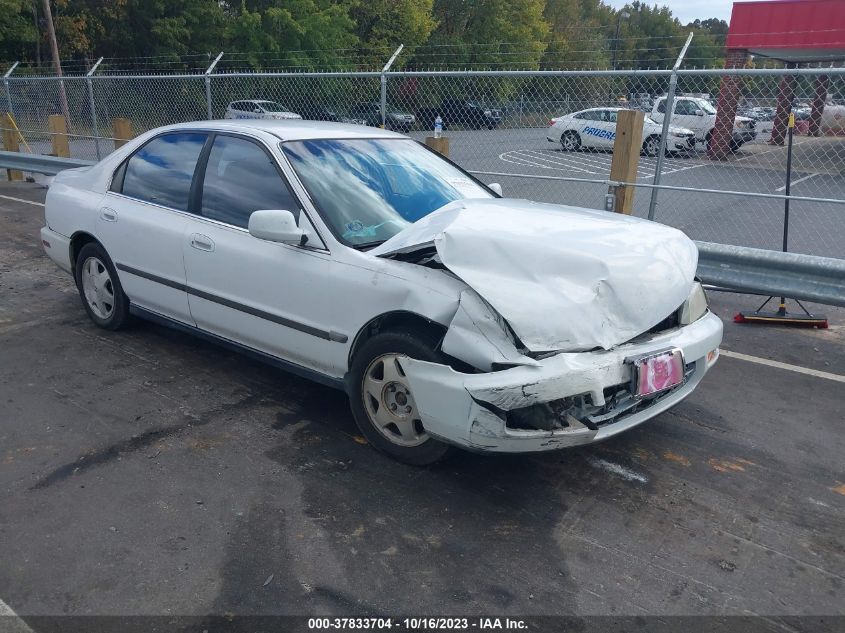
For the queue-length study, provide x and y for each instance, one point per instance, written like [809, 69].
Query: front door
[268, 296]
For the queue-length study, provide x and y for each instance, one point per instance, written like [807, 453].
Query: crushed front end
[566, 399]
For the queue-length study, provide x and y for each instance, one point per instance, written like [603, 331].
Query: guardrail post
[95, 130]
[384, 84]
[667, 118]
[626, 157]
[6, 85]
[208, 72]
[10, 144]
[122, 131]
[58, 134]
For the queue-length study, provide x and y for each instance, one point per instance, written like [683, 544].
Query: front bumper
[681, 143]
[474, 411]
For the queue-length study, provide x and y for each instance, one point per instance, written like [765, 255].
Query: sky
[688, 10]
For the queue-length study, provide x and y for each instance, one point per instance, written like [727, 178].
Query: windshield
[272, 106]
[705, 105]
[367, 190]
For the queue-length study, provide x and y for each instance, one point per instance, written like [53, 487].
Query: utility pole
[37, 33]
[57, 63]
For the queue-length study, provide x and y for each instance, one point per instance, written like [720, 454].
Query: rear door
[143, 219]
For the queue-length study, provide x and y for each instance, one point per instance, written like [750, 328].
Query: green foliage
[349, 34]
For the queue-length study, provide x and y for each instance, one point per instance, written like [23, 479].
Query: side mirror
[699, 113]
[276, 225]
[496, 187]
[257, 111]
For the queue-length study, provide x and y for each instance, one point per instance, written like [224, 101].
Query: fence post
[384, 84]
[6, 85]
[95, 130]
[58, 134]
[208, 72]
[626, 157]
[10, 144]
[667, 117]
[122, 131]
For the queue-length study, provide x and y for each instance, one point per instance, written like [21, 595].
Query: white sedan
[360, 258]
[596, 129]
[258, 109]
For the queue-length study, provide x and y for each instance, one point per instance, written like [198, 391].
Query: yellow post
[626, 157]
[10, 144]
[122, 132]
[440, 145]
[58, 133]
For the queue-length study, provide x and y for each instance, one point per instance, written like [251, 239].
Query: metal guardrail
[39, 163]
[758, 271]
[754, 270]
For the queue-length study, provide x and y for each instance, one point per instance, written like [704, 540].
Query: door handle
[202, 242]
[109, 215]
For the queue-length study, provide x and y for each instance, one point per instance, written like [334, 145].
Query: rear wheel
[102, 295]
[383, 403]
[570, 141]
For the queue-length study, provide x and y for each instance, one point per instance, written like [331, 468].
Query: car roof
[291, 129]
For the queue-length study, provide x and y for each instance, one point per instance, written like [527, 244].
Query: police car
[596, 129]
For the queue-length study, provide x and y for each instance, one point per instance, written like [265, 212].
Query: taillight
[551, 122]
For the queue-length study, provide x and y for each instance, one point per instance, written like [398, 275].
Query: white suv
[258, 109]
[699, 115]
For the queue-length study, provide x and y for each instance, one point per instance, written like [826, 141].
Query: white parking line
[795, 182]
[35, 204]
[17, 625]
[773, 363]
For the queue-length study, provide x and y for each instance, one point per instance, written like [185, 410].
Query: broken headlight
[694, 307]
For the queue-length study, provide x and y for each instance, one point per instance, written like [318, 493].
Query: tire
[379, 392]
[99, 288]
[707, 139]
[570, 141]
[651, 146]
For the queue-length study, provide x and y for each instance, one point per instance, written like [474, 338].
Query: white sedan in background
[258, 109]
[596, 129]
[362, 259]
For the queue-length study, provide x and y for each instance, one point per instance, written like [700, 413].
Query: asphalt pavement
[145, 472]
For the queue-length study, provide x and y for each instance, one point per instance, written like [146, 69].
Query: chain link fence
[544, 135]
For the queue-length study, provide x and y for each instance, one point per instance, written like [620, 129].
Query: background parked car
[699, 115]
[460, 112]
[596, 128]
[258, 109]
[319, 112]
[370, 113]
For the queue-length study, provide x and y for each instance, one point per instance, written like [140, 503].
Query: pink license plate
[658, 373]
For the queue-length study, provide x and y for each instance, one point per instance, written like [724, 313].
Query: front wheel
[651, 147]
[570, 141]
[102, 295]
[383, 403]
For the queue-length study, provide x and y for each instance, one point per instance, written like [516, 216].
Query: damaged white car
[450, 315]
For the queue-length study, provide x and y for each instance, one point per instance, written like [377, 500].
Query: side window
[580, 115]
[241, 178]
[661, 107]
[162, 170]
[611, 116]
[685, 106]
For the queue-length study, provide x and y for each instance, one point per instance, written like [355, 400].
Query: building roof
[790, 30]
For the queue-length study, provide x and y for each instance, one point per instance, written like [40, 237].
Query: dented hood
[563, 278]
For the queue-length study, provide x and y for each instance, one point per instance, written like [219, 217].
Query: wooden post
[58, 133]
[10, 144]
[626, 156]
[122, 131]
[440, 145]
